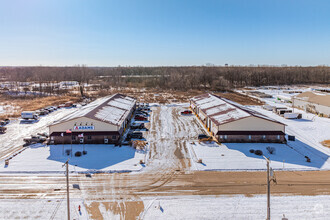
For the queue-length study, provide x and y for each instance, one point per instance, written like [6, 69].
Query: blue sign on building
[83, 128]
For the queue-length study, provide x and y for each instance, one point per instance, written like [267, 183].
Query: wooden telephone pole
[67, 187]
[269, 178]
[268, 191]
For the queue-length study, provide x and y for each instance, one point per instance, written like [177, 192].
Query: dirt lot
[14, 106]
[31, 103]
[240, 98]
[169, 96]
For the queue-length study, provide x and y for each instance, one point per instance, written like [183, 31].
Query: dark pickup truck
[138, 126]
[34, 139]
[203, 136]
[140, 118]
[135, 135]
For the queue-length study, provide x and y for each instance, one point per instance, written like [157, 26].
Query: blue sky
[164, 32]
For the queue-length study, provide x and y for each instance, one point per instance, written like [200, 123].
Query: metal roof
[222, 111]
[110, 109]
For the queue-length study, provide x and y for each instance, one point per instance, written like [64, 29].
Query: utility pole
[67, 187]
[268, 192]
[268, 189]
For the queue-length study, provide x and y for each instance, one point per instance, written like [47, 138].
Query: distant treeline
[176, 78]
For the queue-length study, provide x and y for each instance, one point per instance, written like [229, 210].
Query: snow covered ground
[16, 131]
[49, 159]
[279, 93]
[41, 209]
[182, 207]
[236, 156]
[236, 207]
[6, 108]
[311, 129]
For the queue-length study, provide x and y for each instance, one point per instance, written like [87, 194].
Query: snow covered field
[236, 156]
[311, 129]
[49, 159]
[236, 207]
[7, 108]
[41, 209]
[183, 207]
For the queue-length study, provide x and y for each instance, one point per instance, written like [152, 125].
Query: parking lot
[12, 140]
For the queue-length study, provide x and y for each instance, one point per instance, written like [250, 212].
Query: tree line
[175, 78]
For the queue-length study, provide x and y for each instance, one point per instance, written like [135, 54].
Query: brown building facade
[230, 122]
[100, 122]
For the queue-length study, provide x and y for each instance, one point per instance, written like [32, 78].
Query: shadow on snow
[97, 157]
[293, 152]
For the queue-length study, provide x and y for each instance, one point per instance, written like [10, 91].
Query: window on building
[52, 138]
[278, 137]
[225, 137]
[89, 137]
[221, 136]
[249, 137]
[114, 137]
[263, 136]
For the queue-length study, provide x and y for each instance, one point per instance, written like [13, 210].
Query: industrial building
[314, 102]
[100, 122]
[230, 122]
